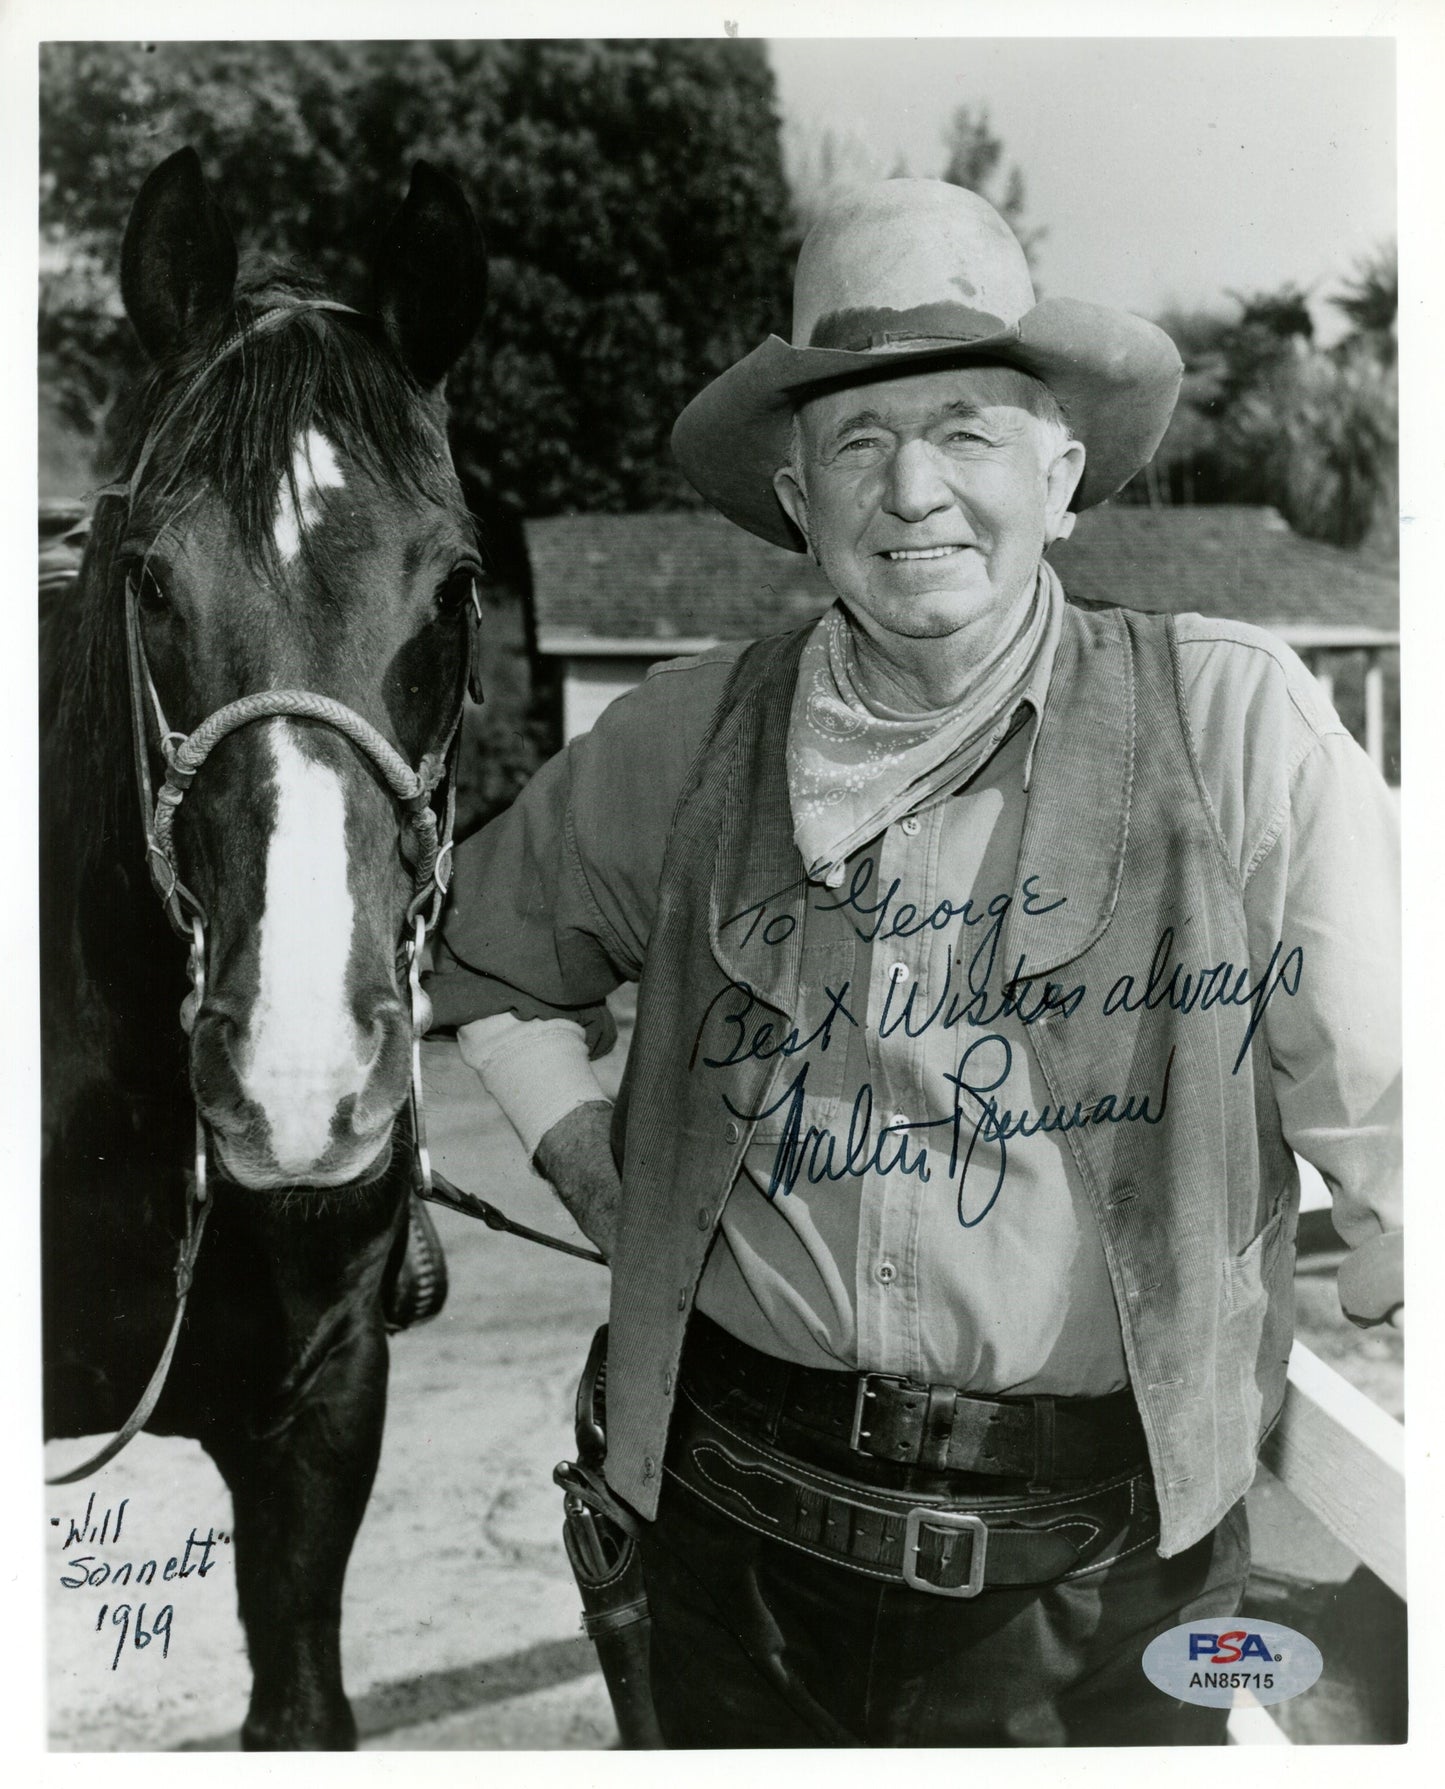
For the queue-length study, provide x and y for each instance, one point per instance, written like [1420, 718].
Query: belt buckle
[960, 1522]
[864, 1393]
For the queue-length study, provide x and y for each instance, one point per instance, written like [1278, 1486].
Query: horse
[269, 639]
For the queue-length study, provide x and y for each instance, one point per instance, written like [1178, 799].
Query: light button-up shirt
[887, 1270]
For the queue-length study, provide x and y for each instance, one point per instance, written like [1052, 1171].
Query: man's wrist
[575, 1156]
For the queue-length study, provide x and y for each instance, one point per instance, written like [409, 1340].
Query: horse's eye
[455, 592]
[147, 588]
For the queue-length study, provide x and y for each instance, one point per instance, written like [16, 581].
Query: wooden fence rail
[1343, 1458]
[1331, 653]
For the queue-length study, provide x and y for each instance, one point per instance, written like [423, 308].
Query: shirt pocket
[1246, 1275]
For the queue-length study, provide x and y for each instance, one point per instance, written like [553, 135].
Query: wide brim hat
[900, 276]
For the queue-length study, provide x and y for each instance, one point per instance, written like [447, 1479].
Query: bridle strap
[407, 785]
[410, 789]
[197, 1210]
[440, 1191]
[184, 755]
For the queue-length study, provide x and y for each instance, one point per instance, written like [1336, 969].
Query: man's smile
[901, 553]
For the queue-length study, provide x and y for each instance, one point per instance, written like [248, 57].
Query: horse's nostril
[214, 1076]
[388, 1074]
[389, 1017]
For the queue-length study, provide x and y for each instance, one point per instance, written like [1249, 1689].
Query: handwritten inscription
[886, 917]
[91, 1571]
[973, 1115]
[817, 1153]
[1169, 983]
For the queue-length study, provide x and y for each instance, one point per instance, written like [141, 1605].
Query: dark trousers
[755, 1643]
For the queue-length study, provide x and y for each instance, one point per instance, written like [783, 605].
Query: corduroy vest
[1196, 1202]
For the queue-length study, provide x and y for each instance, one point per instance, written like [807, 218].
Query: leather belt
[891, 1418]
[941, 1545]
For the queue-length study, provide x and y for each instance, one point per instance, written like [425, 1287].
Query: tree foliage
[1268, 416]
[1371, 301]
[975, 160]
[631, 194]
[632, 198]
[821, 162]
[819, 165]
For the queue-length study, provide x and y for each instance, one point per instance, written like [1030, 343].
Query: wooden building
[613, 594]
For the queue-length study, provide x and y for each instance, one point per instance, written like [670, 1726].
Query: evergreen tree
[975, 161]
[631, 194]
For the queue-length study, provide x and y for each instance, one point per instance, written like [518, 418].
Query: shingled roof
[679, 582]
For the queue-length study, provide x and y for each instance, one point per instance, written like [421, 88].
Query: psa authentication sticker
[1215, 1660]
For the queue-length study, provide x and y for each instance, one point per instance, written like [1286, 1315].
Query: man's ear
[794, 500]
[1062, 480]
[431, 276]
[178, 259]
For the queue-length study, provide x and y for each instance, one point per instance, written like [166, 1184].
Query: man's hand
[1372, 1282]
[576, 1157]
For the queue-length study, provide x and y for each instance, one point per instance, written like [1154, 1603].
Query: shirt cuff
[535, 1069]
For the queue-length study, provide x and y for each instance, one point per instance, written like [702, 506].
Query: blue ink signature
[950, 1009]
[906, 921]
[817, 1154]
[903, 921]
[768, 1039]
[1220, 985]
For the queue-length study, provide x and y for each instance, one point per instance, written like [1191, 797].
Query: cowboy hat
[900, 276]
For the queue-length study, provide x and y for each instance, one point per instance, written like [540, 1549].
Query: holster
[601, 1537]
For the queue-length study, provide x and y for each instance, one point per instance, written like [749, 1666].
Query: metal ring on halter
[442, 874]
[156, 854]
[410, 789]
[197, 967]
[415, 946]
[183, 755]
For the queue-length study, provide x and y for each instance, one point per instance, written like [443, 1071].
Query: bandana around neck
[854, 767]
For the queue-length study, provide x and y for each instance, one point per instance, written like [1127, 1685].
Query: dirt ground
[461, 1625]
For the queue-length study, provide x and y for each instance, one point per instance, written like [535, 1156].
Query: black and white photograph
[714, 1050]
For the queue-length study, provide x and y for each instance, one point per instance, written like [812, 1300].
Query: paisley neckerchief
[855, 765]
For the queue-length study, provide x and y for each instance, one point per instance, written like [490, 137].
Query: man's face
[928, 500]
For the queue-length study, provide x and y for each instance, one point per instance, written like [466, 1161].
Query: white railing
[1326, 650]
[1343, 1458]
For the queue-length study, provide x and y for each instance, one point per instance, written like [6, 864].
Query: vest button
[734, 1130]
[682, 1299]
[649, 1466]
[667, 1382]
[704, 1217]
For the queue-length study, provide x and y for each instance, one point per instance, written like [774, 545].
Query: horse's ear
[431, 276]
[178, 261]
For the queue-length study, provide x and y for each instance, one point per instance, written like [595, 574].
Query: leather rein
[430, 854]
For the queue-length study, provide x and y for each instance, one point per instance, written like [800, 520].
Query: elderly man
[995, 956]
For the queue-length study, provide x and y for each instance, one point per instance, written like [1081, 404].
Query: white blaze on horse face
[313, 470]
[304, 1051]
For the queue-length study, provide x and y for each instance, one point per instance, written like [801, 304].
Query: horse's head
[293, 523]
